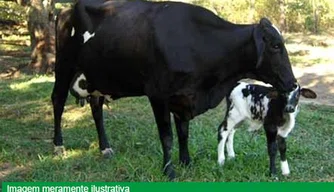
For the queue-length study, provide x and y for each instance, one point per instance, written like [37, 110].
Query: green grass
[26, 131]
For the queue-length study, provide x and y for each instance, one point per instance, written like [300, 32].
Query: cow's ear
[308, 93]
[272, 94]
[264, 22]
[259, 43]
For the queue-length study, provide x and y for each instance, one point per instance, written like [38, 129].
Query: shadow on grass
[27, 149]
[322, 84]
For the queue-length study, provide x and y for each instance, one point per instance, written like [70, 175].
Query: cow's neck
[239, 64]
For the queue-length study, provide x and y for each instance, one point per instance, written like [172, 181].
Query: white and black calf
[261, 105]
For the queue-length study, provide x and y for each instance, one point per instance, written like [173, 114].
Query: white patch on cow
[59, 150]
[278, 31]
[107, 151]
[285, 168]
[81, 92]
[72, 32]
[289, 124]
[167, 164]
[87, 36]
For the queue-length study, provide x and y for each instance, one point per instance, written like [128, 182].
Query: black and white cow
[183, 57]
[261, 106]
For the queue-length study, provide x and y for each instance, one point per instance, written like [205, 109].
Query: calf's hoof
[273, 176]
[107, 153]
[231, 157]
[221, 162]
[59, 150]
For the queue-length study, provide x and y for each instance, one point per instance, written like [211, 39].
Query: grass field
[26, 148]
[26, 131]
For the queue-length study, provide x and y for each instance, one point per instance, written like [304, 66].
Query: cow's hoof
[107, 153]
[185, 161]
[169, 171]
[59, 150]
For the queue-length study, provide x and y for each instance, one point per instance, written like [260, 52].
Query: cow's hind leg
[59, 96]
[182, 128]
[96, 104]
[162, 118]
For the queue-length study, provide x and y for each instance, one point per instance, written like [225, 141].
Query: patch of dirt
[319, 78]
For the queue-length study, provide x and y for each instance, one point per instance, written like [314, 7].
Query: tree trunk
[41, 30]
[251, 15]
[282, 21]
[315, 17]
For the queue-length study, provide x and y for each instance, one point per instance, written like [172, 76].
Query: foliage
[299, 13]
[12, 11]
[26, 142]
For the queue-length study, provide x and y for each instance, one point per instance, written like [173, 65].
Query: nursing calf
[261, 105]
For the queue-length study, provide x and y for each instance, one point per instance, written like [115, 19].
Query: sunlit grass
[26, 149]
[26, 85]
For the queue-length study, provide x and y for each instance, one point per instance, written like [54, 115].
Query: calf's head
[291, 98]
[273, 64]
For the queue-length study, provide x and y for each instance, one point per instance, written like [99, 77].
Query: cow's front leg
[162, 118]
[182, 128]
[271, 133]
[96, 104]
[58, 97]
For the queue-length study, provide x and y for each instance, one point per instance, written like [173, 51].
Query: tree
[41, 30]
[251, 11]
[282, 22]
[315, 16]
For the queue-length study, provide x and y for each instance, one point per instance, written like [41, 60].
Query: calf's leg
[226, 131]
[229, 144]
[271, 133]
[282, 149]
[162, 118]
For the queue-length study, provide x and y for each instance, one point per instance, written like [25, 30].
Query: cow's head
[273, 64]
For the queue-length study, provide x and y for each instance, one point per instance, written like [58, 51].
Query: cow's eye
[276, 46]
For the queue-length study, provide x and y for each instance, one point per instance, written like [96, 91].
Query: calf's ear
[308, 93]
[259, 43]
